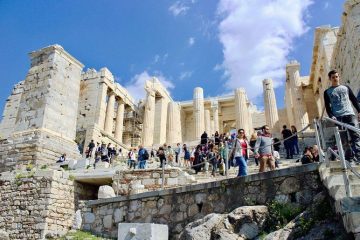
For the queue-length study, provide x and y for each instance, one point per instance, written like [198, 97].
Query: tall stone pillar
[173, 129]
[109, 119]
[271, 111]
[241, 110]
[250, 124]
[207, 122]
[300, 114]
[288, 104]
[215, 112]
[119, 121]
[149, 116]
[198, 102]
[45, 125]
[212, 127]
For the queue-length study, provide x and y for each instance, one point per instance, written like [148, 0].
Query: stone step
[338, 191]
[349, 209]
[338, 180]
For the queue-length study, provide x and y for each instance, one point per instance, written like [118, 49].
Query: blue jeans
[142, 164]
[242, 166]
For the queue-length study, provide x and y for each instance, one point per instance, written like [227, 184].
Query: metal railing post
[226, 159]
[343, 163]
[163, 175]
[318, 141]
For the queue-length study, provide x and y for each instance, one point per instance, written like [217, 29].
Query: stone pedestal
[271, 112]
[149, 116]
[198, 103]
[109, 119]
[144, 231]
[119, 121]
[241, 110]
[47, 113]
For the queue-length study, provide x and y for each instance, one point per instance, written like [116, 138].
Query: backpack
[145, 155]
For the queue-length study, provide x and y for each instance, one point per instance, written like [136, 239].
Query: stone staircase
[347, 207]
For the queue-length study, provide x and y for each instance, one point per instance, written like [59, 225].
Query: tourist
[315, 153]
[241, 152]
[177, 153]
[286, 133]
[277, 144]
[211, 158]
[91, 148]
[132, 158]
[186, 156]
[307, 156]
[338, 100]
[161, 155]
[97, 158]
[276, 157]
[192, 156]
[217, 138]
[295, 140]
[170, 156]
[252, 146]
[143, 156]
[197, 159]
[62, 158]
[152, 153]
[204, 138]
[264, 150]
[104, 153]
[222, 152]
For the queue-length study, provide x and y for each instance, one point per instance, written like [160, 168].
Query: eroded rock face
[4, 235]
[242, 223]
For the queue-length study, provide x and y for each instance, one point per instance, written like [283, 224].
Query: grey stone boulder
[4, 235]
[106, 191]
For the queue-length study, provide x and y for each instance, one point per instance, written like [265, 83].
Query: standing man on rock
[338, 100]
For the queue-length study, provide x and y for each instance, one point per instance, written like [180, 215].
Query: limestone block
[144, 231]
[102, 165]
[172, 181]
[82, 164]
[77, 220]
[106, 191]
[118, 215]
[108, 221]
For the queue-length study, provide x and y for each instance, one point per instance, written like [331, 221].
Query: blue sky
[218, 45]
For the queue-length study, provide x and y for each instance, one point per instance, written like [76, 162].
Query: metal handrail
[348, 126]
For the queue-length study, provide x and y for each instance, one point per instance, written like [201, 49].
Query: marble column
[109, 119]
[271, 112]
[198, 103]
[173, 123]
[288, 104]
[119, 121]
[298, 104]
[241, 110]
[215, 112]
[207, 122]
[250, 123]
[149, 117]
[212, 127]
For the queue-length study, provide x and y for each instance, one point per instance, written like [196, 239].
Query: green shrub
[280, 214]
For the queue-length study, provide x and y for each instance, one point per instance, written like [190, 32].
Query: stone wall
[141, 180]
[177, 207]
[346, 55]
[34, 205]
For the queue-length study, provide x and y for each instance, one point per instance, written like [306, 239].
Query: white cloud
[178, 8]
[257, 36]
[186, 74]
[137, 83]
[156, 58]
[218, 67]
[191, 41]
[326, 5]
